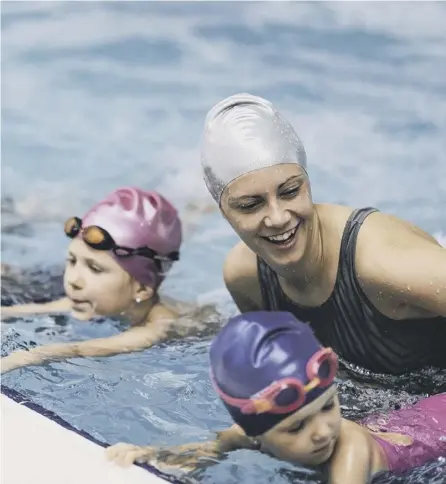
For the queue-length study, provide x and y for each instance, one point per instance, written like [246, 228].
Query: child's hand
[18, 359]
[126, 454]
[11, 311]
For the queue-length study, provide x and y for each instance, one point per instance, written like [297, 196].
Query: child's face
[96, 283]
[309, 436]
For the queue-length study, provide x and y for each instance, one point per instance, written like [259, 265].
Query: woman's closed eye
[290, 192]
[248, 205]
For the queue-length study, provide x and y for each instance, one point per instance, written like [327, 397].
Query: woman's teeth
[285, 237]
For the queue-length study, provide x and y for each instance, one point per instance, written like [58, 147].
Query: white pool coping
[37, 450]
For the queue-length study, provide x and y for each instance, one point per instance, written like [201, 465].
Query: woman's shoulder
[240, 263]
[378, 229]
[240, 274]
[328, 210]
[333, 219]
[400, 267]
[387, 228]
[383, 238]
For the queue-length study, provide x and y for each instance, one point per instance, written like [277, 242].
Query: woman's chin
[283, 256]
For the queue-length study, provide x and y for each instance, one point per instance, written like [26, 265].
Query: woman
[277, 382]
[119, 254]
[372, 286]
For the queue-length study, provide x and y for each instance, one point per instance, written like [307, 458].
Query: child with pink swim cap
[119, 254]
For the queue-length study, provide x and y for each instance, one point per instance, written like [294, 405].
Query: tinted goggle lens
[288, 396]
[72, 227]
[97, 238]
[292, 393]
[94, 236]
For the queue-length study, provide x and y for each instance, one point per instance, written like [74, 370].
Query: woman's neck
[311, 281]
[310, 270]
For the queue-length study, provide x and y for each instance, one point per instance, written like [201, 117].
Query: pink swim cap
[136, 218]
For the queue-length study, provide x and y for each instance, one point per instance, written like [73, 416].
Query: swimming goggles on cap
[99, 239]
[321, 370]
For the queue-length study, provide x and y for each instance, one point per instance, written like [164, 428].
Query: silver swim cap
[244, 133]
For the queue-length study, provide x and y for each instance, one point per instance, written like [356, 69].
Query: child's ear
[143, 293]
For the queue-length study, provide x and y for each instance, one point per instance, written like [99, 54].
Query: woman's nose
[277, 216]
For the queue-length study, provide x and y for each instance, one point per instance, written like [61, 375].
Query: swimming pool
[163, 396]
[121, 98]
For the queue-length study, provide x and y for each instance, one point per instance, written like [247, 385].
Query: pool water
[162, 396]
[120, 98]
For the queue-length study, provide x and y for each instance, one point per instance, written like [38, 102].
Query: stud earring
[138, 300]
[255, 443]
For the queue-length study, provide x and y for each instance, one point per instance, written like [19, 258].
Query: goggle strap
[312, 384]
[261, 405]
[76, 228]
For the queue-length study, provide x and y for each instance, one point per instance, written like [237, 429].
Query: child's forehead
[80, 249]
[308, 410]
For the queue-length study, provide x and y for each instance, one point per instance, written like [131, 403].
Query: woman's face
[96, 283]
[309, 436]
[272, 212]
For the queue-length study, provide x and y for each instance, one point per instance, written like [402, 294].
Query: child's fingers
[124, 454]
[113, 450]
[169, 467]
[145, 459]
[119, 452]
[128, 458]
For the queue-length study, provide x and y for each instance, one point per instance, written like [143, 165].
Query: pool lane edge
[17, 421]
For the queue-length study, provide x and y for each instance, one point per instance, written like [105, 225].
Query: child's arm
[59, 306]
[134, 339]
[185, 456]
[352, 459]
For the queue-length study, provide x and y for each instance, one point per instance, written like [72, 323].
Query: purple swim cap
[136, 218]
[255, 350]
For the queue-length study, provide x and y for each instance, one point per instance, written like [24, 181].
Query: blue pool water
[97, 95]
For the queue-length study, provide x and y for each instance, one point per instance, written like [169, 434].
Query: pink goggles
[267, 399]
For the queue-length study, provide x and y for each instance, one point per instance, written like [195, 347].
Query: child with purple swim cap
[277, 382]
[118, 256]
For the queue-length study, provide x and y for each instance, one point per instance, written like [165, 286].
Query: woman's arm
[185, 456]
[59, 306]
[241, 278]
[407, 271]
[417, 276]
[132, 340]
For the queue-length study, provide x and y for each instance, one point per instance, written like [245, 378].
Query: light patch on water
[120, 97]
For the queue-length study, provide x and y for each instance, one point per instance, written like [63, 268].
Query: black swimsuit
[352, 326]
